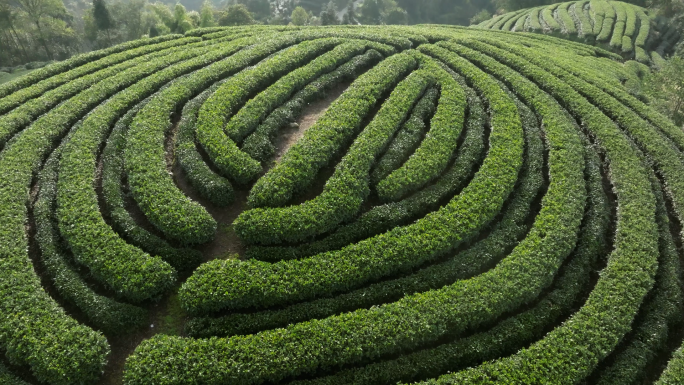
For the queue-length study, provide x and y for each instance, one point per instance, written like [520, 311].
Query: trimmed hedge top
[407, 204]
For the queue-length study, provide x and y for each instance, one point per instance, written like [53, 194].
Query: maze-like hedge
[474, 207]
[626, 29]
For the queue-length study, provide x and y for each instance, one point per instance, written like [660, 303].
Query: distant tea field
[340, 205]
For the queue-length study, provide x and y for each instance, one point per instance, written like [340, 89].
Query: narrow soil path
[288, 136]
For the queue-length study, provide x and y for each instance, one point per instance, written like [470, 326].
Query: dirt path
[290, 135]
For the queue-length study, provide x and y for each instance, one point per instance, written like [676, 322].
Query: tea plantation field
[469, 206]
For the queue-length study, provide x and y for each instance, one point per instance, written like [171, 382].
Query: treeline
[42, 30]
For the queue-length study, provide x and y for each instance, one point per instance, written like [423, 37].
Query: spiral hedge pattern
[627, 29]
[495, 208]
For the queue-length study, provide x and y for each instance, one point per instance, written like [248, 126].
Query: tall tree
[299, 16]
[181, 21]
[329, 15]
[103, 19]
[350, 14]
[207, 15]
[237, 14]
[37, 11]
[371, 11]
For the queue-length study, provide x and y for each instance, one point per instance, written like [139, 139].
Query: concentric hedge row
[474, 207]
[627, 29]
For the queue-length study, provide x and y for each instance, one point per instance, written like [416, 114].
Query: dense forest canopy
[42, 30]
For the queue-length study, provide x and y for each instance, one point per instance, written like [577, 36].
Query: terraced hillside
[632, 31]
[365, 205]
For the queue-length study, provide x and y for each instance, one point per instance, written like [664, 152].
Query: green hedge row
[348, 188]
[162, 202]
[598, 9]
[609, 21]
[546, 15]
[571, 351]
[568, 24]
[259, 145]
[76, 61]
[520, 22]
[104, 313]
[22, 116]
[395, 251]
[410, 246]
[20, 96]
[584, 19]
[248, 118]
[34, 329]
[130, 272]
[674, 372]
[435, 152]
[113, 197]
[660, 313]
[408, 137]
[385, 217]
[206, 182]
[509, 23]
[619, 27]
[630, 22]
[504, 235]
[8, 378]
[326, 138]
[535, 24]
[674, 133]
[512, 333]
[414, 320]
[644, 29]
[504, 19]
[654, 143]
[228, 98]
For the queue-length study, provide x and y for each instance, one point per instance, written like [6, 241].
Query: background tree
[102, 19]
[237, 14]
[350, 14]
[329, 15]
[371, 12]
[260, 9]
[181, 20]
[40, 13]
[299, 16]
[481, 16]
[207, 15]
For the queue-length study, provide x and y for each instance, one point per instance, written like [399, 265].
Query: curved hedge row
[384, 217]
[577, 347]
[435, 152]
[510, 334]
[502, 237]
[407, 138]
[348, 187]
[206, 182]
[76, 62]
[530, 235]
[614, 25]
[114, 200]
[231, 281]
[104, 313]
[174, 214]
[299, 166]
[259, 145]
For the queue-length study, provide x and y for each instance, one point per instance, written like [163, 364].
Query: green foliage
[665, 87]
[237, 14]
[299, 16]
[609, 24]
[495, 153]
